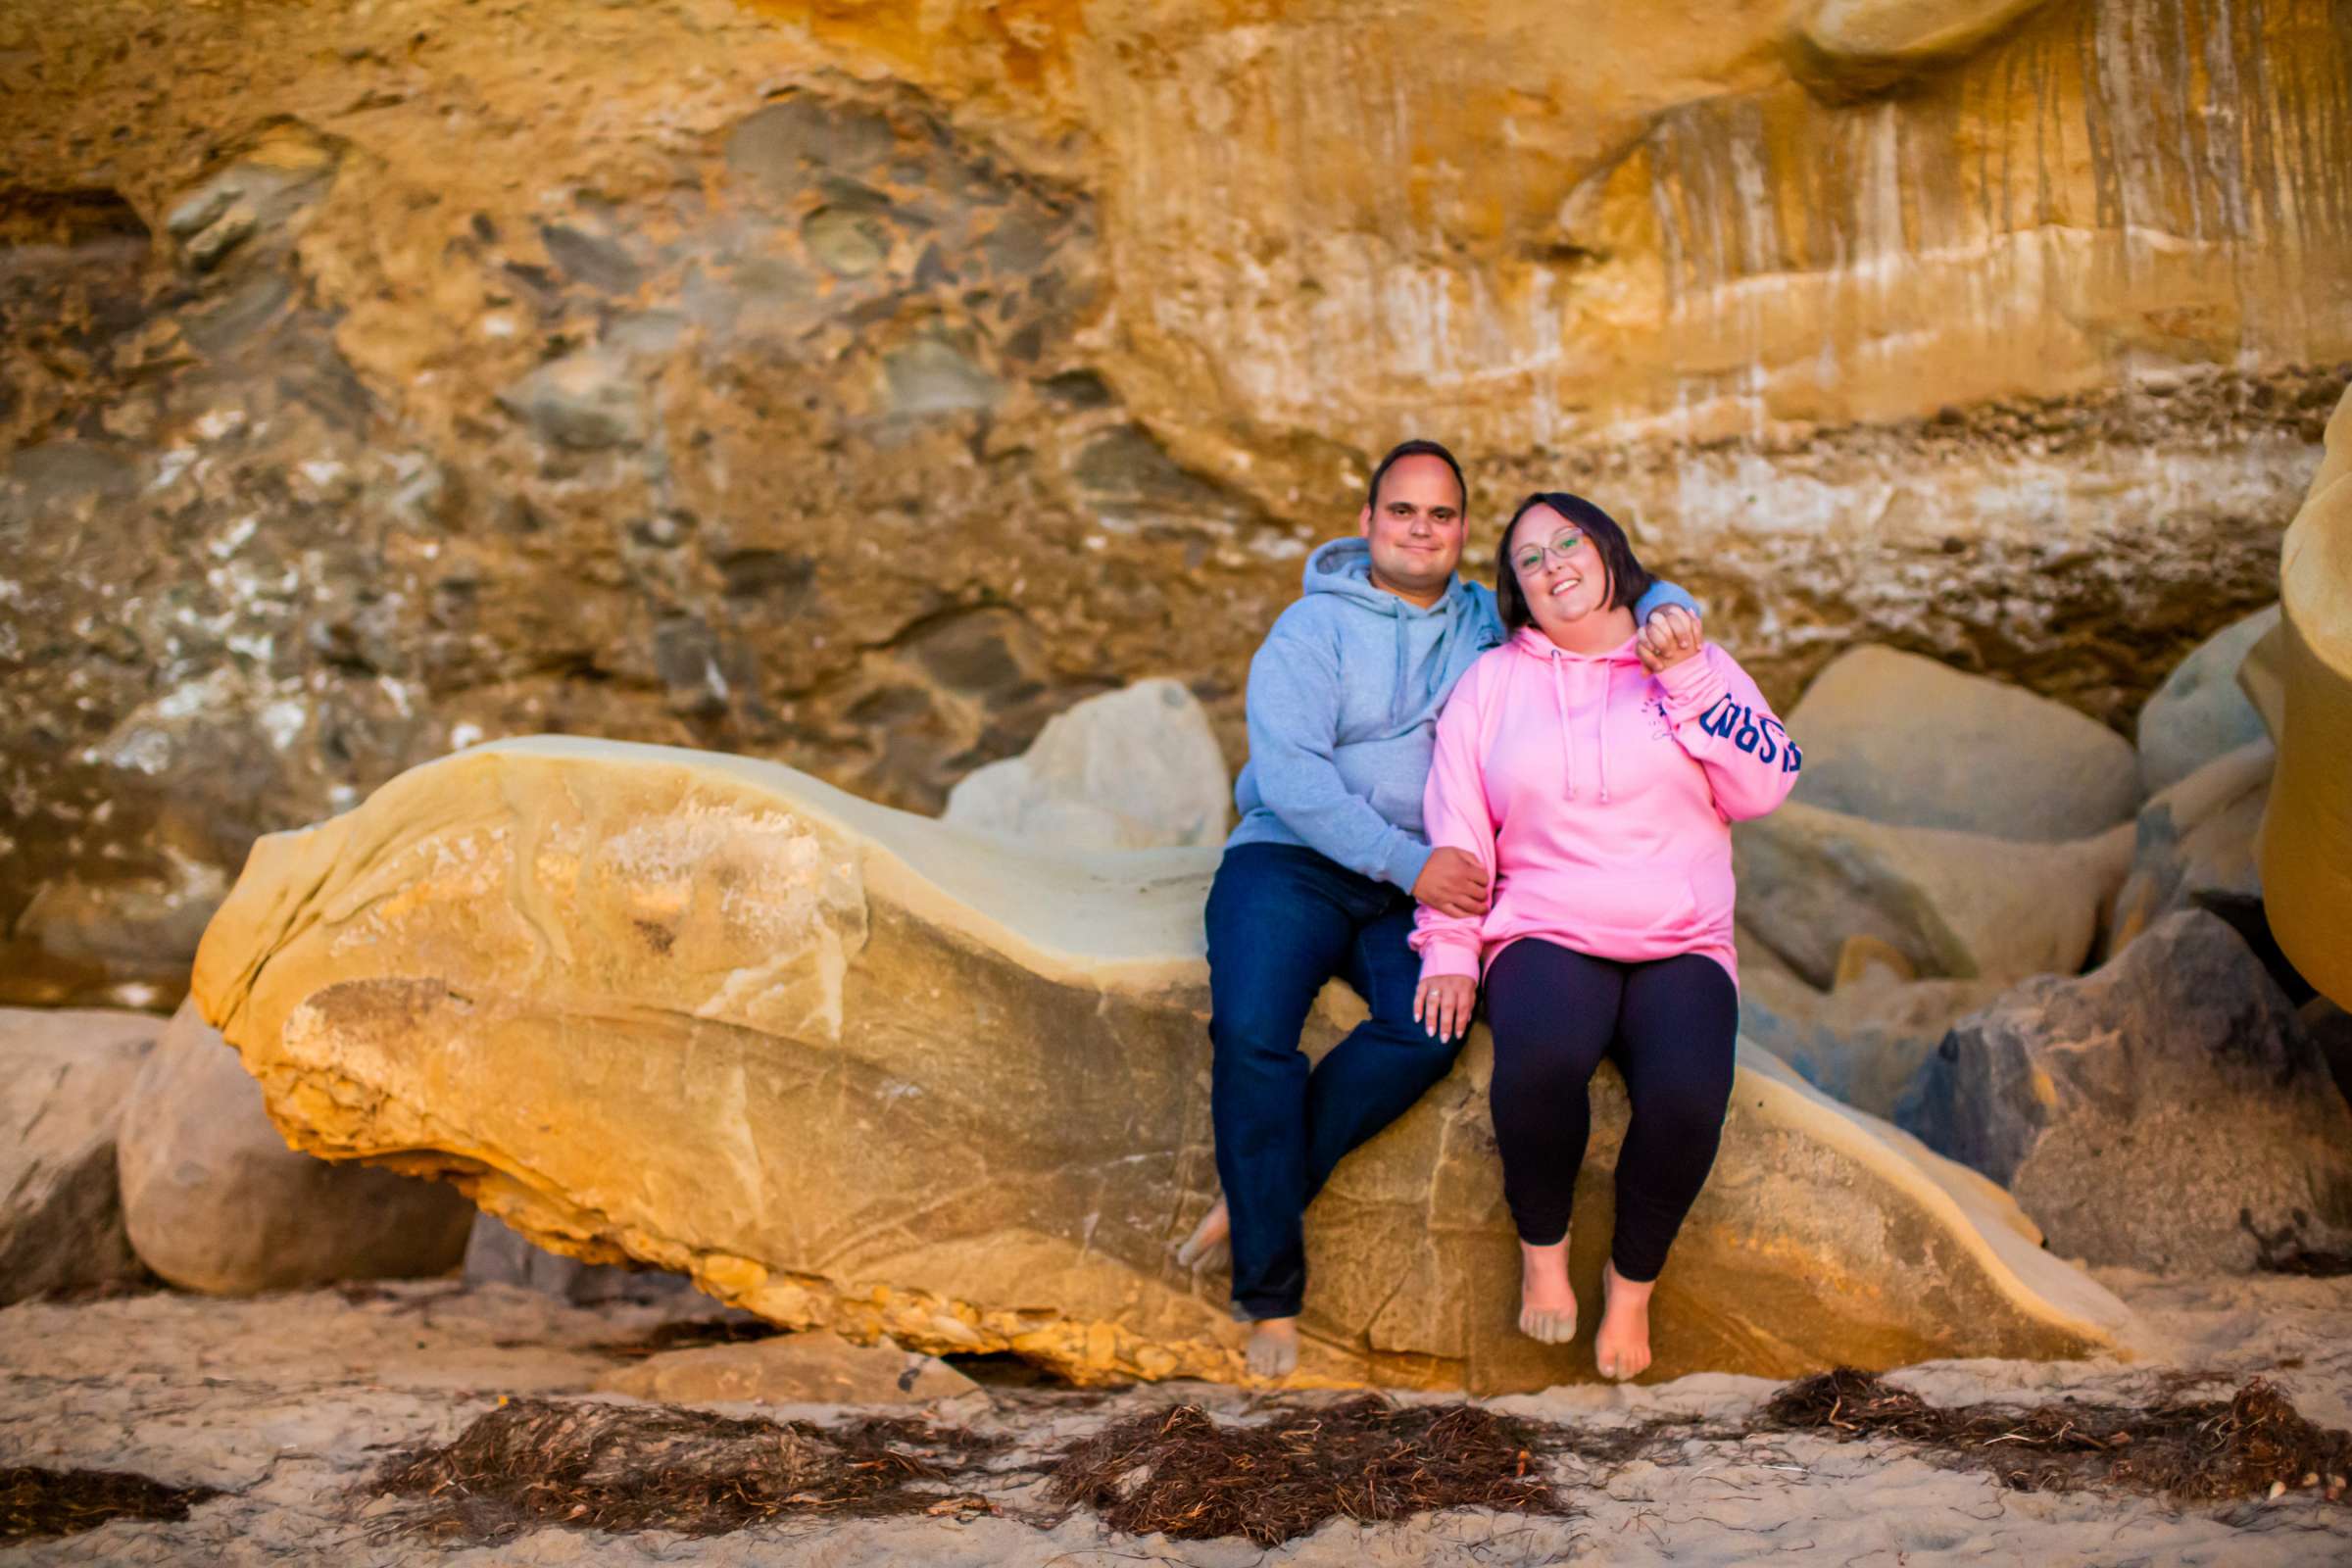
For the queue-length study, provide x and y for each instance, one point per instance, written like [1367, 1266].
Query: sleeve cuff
[1405, 862]
[1692, 686]
[1660, 595]
[1441, 959]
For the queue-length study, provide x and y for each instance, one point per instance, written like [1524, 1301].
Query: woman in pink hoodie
[1596, 774]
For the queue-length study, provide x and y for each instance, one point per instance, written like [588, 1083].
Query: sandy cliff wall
[858, 385]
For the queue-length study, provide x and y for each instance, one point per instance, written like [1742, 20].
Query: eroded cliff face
[858, 385]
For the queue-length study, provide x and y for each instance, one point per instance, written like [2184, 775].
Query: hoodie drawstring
[1559, 700]
[1602, 732]
[1600, 728]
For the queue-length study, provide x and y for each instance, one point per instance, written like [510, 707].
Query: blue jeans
[1282, 921]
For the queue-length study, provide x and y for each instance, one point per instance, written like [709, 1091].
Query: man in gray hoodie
[1321, 877]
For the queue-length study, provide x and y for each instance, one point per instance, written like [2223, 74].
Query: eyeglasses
[1563, 545]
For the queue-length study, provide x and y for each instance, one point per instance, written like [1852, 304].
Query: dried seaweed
[38, 1503]
[628, 1467]
[2192, 1452]
[1183, 1474]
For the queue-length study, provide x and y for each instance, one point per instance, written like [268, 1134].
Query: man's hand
[1441, 1006]
[1452, 882]
[1671, 635]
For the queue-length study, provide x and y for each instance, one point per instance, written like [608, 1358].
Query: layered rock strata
[857, 1070]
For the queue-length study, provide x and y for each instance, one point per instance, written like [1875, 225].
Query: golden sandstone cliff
[859, 1070]
[858, 384]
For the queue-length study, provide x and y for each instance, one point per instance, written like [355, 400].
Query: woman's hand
[1670, 636]
[1442, 1005]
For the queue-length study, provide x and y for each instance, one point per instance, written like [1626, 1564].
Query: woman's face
[1561, 570]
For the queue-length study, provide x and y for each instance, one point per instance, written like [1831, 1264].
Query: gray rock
[932, 376]
[496, 1253]
[214, 1200]
[1133, 769]
[586, 400]
[2195, 840]
[1866, 1043]
[2200, 712]
[1904, 740]
[2159, 1112]
[1962, 906]
[64, 1079]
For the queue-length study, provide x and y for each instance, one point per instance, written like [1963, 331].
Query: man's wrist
[1405, 862]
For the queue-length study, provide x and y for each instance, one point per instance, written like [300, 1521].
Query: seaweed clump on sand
[38, 1504]
[1184, 1475]
[2252, 1444]
[625, 1467]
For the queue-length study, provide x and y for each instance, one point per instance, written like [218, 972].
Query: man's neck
[1420, 598]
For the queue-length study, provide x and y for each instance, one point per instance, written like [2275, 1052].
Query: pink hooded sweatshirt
[1599, 799]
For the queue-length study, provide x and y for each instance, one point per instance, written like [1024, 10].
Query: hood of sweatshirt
[1570, 676]
[1343, 568]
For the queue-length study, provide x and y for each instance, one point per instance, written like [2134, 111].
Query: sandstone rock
[815, 1368]
[496, 1253]
[2195, 838]
[2159, 1112]
[1904, 740]
[1132, 769]
[1850, 47]
[2200, 712]
[1868, 1041]
[1865, 958]
[214, 1200]
[63, 1077]
[1958, 904]
[2306, 845]
[855, 1069]
[584, 400]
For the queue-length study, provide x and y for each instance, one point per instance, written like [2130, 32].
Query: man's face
[1415, 528]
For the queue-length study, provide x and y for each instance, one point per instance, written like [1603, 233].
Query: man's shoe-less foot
[1273, 1347]
[1547, 1300]
[1621, 1349]
[1211, 1246]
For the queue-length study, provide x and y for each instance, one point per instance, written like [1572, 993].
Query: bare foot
[1210, 1245]
[1273, 1347]
[1547, 1300]
[1621, 1349]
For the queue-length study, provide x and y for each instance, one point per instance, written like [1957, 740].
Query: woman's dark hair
[1628, 581]
[1415, 449]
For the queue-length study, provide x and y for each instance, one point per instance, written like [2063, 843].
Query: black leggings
[1670, 1023]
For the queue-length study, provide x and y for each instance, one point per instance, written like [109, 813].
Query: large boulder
[2200, 712]
[64, 1078]
[1132, 769]
[1849, 48]
[1906, 741]
[1963, 906]
[855, 1069]
[1866, 1042]
[214, 1200]
[2306, 843]
[2194, 840]
[496, 1253]
[2159, 1112]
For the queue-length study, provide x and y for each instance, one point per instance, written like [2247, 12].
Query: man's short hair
[1415, 449]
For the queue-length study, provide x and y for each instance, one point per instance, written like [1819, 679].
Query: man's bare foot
[1210, 1244]
[1273, 1347]
[1547, 1300]
[1621, 1349]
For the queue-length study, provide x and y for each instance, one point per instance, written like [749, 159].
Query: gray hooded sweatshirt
[1343, 707]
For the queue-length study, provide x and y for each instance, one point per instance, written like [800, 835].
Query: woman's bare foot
[1547, 1300]
[1210, 1245]
[1273, 1347]
[1621, 1349]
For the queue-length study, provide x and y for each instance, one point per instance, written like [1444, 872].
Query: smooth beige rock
[2196, 837]
[2306, 842]
[2201, 711]
[1957, 904]
[64, 1079]
[1132, 769]
[1904, 740]
[214, 1200]
[815, 1368]
[855, 1069]
[1859, 46]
